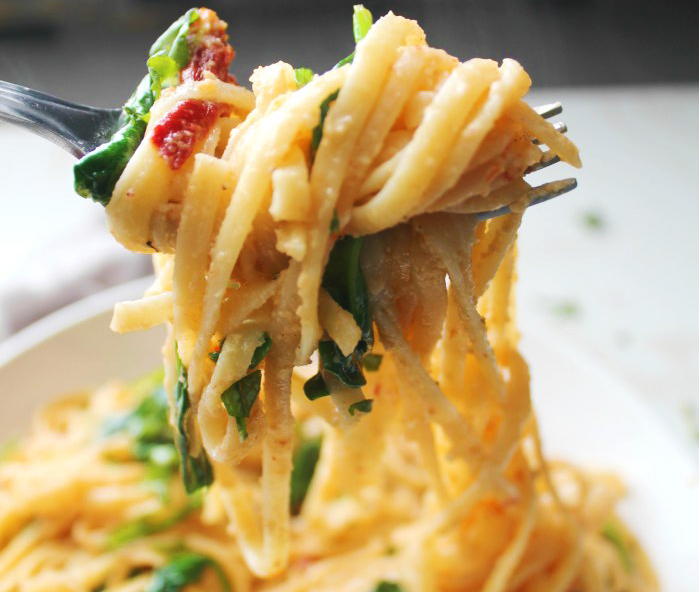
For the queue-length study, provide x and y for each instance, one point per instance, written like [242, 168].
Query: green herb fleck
[566, 309]
[372, 362]
[303, 76]
[363, 406]
[612, 533]
[305, 461]
[184, 569]
[594, 221]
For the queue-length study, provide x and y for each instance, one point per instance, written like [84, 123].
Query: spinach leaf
[169, 54]
[184, 569]
[345, 368]
[335, 223]
[317, 133]
[147, 424]
[196, 470]
[361, 23]
[258, 355]
[344, 281]
[261, 351]
[239, 398]
[388, 587]
[302, 76]
[315, 387]
[363, 406]
[305, 461]
[96, 173]
[372, 362]
[151, 524]
[612, 533]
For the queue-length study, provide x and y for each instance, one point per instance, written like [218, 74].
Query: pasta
[324, 280]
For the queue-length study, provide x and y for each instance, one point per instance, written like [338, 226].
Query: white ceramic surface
[586, 414]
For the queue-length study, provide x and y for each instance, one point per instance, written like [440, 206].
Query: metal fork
[79, 129]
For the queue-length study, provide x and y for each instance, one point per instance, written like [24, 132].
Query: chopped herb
[363, 406]
[335, 223]
[196, 470]
[612, 533]
[372, 362]
[315, 387]
[593, 221]
[151, 524]
[184, 569]
[317, 134]
[96, 173]
[388, 587]
[566, 309]
[303, 76]
[233, 285]
[239, 398]
[305, 461]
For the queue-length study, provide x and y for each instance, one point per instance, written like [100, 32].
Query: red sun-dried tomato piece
[176, 134]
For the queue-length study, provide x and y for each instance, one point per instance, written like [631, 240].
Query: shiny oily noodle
[349, 408]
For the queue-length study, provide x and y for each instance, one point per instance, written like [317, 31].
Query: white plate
[587, 416]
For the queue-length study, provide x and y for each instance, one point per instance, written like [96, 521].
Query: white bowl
[587, 416]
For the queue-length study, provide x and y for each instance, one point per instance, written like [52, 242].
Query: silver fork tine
[535, 195]
[549, 110]
[559, 126]
[547, 159]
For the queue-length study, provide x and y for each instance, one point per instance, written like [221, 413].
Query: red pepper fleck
[176, 134]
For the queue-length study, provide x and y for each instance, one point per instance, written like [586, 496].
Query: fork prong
[547, 159]
[549, 110]
[559, 126]
[535, 195]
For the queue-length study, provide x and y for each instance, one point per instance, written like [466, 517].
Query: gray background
[93, 51]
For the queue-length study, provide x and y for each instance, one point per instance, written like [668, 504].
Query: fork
[79, 129]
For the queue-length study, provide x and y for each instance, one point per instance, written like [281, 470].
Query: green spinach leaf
[239, 398]
[305, 461]
[96, 173]
[184, 569]
[363, 406]
[196, 470]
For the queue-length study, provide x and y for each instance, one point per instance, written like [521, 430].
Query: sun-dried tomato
[177, 133]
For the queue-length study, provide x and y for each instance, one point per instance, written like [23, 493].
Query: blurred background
[612, 266]
[100, 44]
